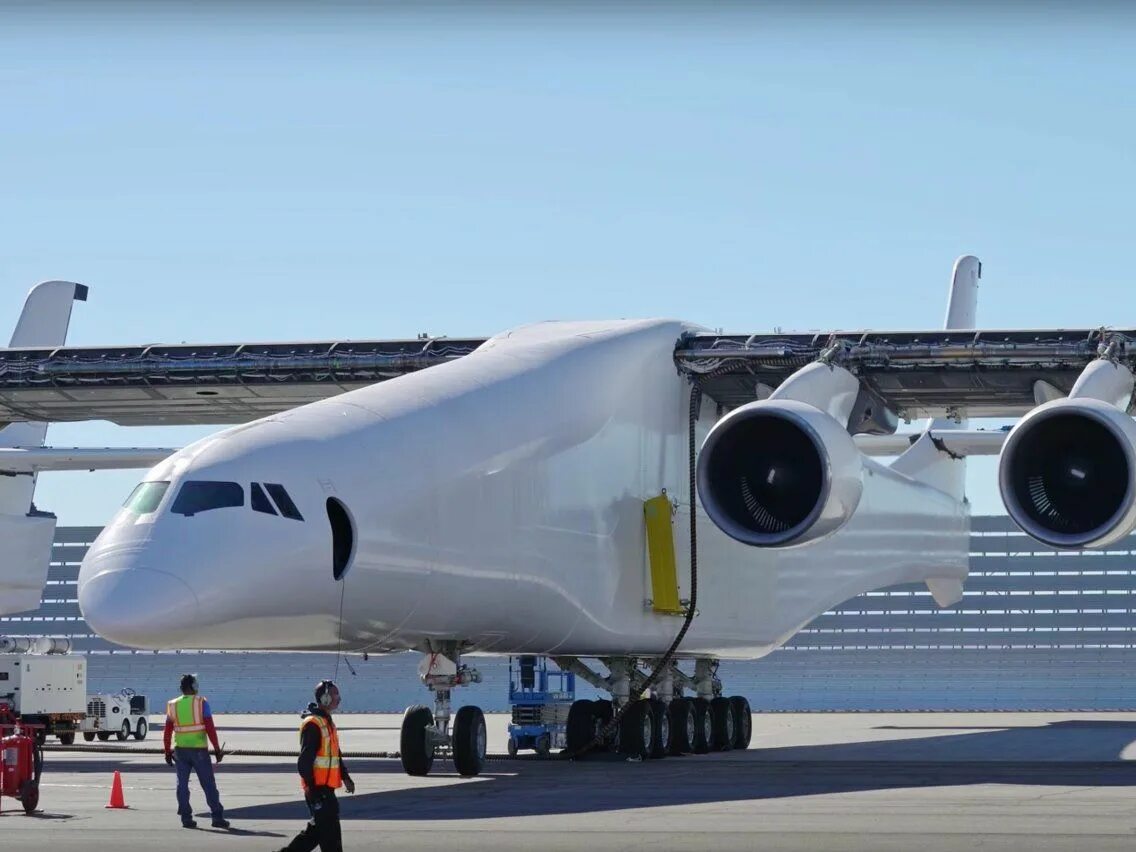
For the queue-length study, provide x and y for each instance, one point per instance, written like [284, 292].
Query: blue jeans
[197, 760]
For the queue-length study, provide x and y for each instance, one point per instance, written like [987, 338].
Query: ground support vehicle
[122, 714]
[540, 700]
[48, 692]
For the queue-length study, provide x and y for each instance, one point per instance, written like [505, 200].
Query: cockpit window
[203, 495]
[259, 500]
[283, 501]
[145, 497]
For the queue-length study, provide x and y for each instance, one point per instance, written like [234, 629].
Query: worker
[189, 721]
[322, 772]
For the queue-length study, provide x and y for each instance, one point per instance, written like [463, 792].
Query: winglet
[962, 306]
[47, 314]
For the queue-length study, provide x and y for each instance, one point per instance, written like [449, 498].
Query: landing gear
[469, 741]
[661, 739]
[667, 722]
[426, 734]
[682, 726]
[722, 714]
[416, 745]
[637, 731]
[743, 722]
[703, 726]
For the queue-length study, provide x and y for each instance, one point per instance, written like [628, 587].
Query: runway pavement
[876, 782]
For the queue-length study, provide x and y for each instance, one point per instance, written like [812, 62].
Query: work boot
[189, 823]
[220, 822]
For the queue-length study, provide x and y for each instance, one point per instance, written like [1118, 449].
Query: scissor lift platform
[540, 700]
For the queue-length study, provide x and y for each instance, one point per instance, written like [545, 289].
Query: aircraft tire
[682, 726]
[416, 752]
[604, 710]
[637, 730]
[661, 734]
[469, 741]
[722, 714]
[743, 722]
[581, 727]
[703, 725]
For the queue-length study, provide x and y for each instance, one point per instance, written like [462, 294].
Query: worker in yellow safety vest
[322, 772]
[189, 724]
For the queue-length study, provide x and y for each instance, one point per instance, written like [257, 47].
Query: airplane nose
[139, 607]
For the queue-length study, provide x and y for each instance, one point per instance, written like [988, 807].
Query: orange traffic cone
[117, 801]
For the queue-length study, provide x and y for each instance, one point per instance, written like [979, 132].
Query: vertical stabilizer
[27, 533]
[927, 460]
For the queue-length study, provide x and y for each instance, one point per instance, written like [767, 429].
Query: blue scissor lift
[540, 700]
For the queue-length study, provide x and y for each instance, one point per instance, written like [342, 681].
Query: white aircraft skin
[497, 500]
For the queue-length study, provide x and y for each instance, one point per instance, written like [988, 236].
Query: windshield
[202, 495]
[145, 497]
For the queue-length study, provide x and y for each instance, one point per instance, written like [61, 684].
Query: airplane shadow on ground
[1073, 753]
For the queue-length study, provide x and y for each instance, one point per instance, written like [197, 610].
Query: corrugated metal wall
[1035, 630]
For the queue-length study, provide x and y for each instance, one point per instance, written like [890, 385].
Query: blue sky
[262, 172]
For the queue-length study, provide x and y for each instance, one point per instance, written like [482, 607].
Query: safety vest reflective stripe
[326, 762]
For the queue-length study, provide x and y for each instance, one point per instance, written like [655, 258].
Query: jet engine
[1066, 473]
[779, 472]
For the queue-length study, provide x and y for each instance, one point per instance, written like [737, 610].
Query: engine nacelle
[1066, 473]
[779, 472]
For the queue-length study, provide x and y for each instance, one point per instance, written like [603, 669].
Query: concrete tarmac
[872, 782]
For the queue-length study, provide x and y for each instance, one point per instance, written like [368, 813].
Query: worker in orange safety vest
[322, 772]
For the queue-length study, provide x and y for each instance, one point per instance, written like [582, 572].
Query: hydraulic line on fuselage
[668, 657]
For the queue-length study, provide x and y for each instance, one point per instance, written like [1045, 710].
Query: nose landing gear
[426, 734]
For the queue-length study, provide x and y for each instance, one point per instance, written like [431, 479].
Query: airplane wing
[905, 375]
[16, 461]
[910, 374]
[201, 383]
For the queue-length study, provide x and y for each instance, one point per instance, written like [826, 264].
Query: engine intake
[1066, 473]
[779, 472]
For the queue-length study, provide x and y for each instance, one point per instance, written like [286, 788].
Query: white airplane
[537, 497]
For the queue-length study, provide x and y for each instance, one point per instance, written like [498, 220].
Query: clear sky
[271, 171]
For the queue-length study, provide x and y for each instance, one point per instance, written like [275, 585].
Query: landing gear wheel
[743, 722]
[142, 730]
[416, 750]
[637, 730]
[124, 731]
[581, 727]
[89, 737]
[722, 713]
[469, 741]
[703, 725]
[543, 745]
[682, 726]
[67, 739]
[29, 796]
[604, 711]
[104, 736]
[661, 739]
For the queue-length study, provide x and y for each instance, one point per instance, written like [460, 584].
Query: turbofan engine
[779, 472]
[1066, 473]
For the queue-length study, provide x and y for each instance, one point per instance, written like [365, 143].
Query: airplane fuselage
[496, 500]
